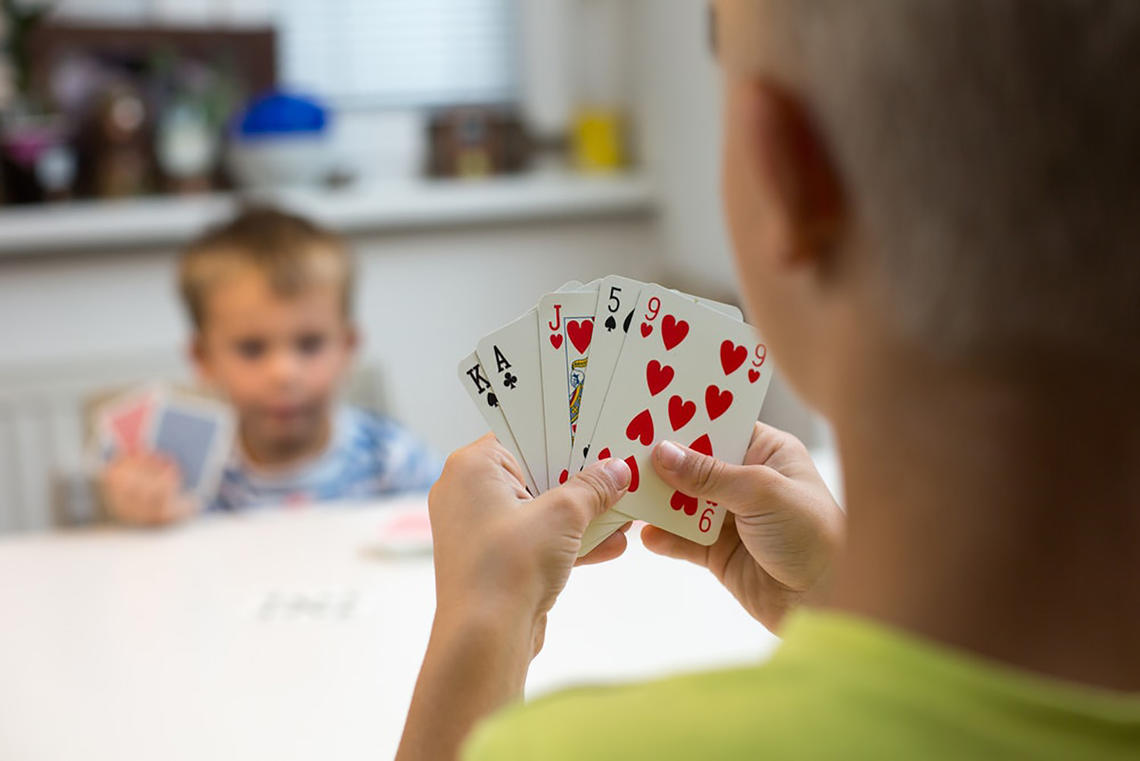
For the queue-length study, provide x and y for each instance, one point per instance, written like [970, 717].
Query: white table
[278, 635]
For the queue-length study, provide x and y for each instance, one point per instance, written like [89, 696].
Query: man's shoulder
[837, 687]
[720, 714]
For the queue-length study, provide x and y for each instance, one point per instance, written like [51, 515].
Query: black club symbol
[510, 381]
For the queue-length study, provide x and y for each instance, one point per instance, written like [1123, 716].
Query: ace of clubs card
[474, 379]
[510, 358]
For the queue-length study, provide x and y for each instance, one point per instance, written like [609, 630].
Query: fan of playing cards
[194, 432]
[661, 365]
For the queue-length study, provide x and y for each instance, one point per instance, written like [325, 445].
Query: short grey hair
[992, 150]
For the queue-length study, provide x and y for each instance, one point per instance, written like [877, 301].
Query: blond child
[269, 296]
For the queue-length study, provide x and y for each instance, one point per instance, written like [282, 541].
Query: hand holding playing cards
[162, 454]
[501, 558]
[497, 549]
[145, 490]
[782, 526]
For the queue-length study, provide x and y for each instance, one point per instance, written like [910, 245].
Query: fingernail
[670, 455]
[619, 471]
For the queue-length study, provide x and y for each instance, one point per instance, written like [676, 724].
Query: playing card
[403, 533]
[566, 326]
[688, 374]
[474, 379]
[617, 296]
[729, 310]
[617, 301]
[198, 435]
[125, 422]
[600, 528]
[510, 357]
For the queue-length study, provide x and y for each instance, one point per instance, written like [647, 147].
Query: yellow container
[598, 142]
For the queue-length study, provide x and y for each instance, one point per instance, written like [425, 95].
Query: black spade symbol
[628, 320]
[611, 323]
[492, 400]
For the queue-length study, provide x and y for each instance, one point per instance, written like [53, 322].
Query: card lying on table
[661, 365]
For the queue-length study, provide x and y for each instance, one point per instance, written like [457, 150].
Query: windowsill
[393, 206]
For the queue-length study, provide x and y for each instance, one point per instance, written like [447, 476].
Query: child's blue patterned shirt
[368, 456]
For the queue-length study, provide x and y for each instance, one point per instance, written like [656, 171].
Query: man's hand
[145, 490]
[782, 526]
[497, 549]
[501, 558]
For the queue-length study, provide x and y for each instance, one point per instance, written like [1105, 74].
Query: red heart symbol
[682, 501]
[580, 333]
[732, 356]
[631, 461]
[658, 376]
[556, 340]
[641, 427]
[673, 331]
[563, 476]
[634, 476]
[753, 375]
[680, 412]
[717, 401]
[702, 445]
[646, 329]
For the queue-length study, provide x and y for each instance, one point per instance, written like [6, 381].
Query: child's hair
[292, 252]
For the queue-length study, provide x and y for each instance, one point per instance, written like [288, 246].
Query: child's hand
[499, 553]
[501, 558]
[782, 526]
[145, 490]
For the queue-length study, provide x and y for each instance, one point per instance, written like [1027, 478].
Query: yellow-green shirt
[837, 687]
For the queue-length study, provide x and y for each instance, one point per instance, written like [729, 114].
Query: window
[363, 53]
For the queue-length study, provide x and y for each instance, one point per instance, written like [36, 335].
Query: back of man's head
[991, 151]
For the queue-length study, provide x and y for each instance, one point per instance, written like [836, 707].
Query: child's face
[279, 359]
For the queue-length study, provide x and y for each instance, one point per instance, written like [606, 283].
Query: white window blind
[399, 52]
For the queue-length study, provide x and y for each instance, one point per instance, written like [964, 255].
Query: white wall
[679, 118]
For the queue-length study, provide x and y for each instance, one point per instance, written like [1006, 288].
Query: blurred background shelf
[154, 102]
[396, 205]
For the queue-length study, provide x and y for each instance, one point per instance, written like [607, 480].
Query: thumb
[699, 475]
[589, 493]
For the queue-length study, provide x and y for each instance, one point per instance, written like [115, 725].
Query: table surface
[284, 634]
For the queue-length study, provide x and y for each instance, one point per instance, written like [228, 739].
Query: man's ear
[796, 174]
